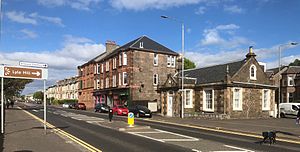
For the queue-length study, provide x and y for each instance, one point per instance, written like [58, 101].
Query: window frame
[107, 82]
[123, 78]
[120, 59]
[205, 101]
[114, 81]
[240, 108]
[267, 101]
[190, 105]
[155, 78]
[254, 72]
[124, 58]
[290, 79]
[107, 66]
[155, 59]
[120, 79]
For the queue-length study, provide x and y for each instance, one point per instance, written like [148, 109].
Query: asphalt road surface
[94, 129]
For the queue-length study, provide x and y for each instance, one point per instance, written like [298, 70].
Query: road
[94, 129]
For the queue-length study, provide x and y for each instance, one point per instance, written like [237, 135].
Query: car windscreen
[121, 107]
[143, 108]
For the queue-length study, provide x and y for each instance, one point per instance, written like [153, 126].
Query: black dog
[271, 135]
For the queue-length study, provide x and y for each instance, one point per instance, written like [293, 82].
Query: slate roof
[148, 45]
[215, 73]
[292, 69]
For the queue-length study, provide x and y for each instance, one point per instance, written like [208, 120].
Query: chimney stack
[110, 46]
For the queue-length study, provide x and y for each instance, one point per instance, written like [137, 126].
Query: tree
[295, 63]
[39, 95]
[14, 87]
[188, 64]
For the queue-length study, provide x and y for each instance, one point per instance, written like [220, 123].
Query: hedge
[58, 102]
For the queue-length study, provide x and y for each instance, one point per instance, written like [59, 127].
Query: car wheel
[138, 115]
[282, 115]
[96, 110]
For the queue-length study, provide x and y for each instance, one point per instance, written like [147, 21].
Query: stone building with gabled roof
[233, 90]
[128, 74]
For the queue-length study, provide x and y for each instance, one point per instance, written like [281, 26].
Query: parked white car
[290, 109]
[66, 105]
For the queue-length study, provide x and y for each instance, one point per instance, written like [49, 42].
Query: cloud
[216, 36]
[233, 9]
[75, 4]
[29, 34]
[201, 10]
[33, 18]
[19, 17]
[140, 5]
[54, 20]
[67, 58]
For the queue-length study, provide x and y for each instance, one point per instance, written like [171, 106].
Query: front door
[170, 106]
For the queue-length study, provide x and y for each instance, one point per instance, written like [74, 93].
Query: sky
[67, 33]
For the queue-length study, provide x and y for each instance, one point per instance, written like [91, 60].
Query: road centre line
[61, 132]
[221, 131]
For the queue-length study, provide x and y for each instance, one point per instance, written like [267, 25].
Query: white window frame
[120, 79]
[120, 59]
[114, 63]
[155, 78]
[124, 58]
[114, 81]
[101, 84]
[123, 78]
[240, 108]
[173, 59]
[267, 101]
[250, 72]
[290, 79]
[169, 61]
[190, 103]
[212, 100]
[155, 59]
[107, 66]
[102, 68]
[107, 82]
[98, 69]
[98, 83]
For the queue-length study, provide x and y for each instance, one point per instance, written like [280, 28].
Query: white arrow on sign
[36, 73]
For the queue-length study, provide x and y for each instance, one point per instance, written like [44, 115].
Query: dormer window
[252, 72]
[141, 44]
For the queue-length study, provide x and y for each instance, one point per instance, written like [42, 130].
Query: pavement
[25, 133]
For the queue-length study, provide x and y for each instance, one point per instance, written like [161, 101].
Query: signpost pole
[2, 107]
[45, 116]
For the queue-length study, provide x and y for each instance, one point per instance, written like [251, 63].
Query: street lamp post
[279, 68]
[182, 60]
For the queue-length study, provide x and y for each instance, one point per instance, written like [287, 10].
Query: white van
[289, 109]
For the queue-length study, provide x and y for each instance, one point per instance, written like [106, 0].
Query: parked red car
[80, 106]
[120, 110]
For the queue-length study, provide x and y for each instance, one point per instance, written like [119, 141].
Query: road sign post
[130, 119]
[22, 73]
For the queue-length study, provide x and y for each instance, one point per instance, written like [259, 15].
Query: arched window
[252, 72]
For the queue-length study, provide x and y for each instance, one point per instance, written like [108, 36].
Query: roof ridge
[214, 65]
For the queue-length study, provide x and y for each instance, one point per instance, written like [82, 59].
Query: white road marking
[189, 137]
[233, 147]
[195, 150]
[146, 137]
[35, 110]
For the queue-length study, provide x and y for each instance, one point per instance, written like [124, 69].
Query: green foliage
[58, 102]
[14, 87]
[295, 63]
[39, 95]
[188, 64]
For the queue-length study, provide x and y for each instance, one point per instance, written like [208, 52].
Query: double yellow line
[222, 131]
[63, 133]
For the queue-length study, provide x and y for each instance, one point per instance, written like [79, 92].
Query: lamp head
[163, 16]
[294, 43]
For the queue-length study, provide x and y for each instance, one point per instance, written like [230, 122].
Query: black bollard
[110, 115]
